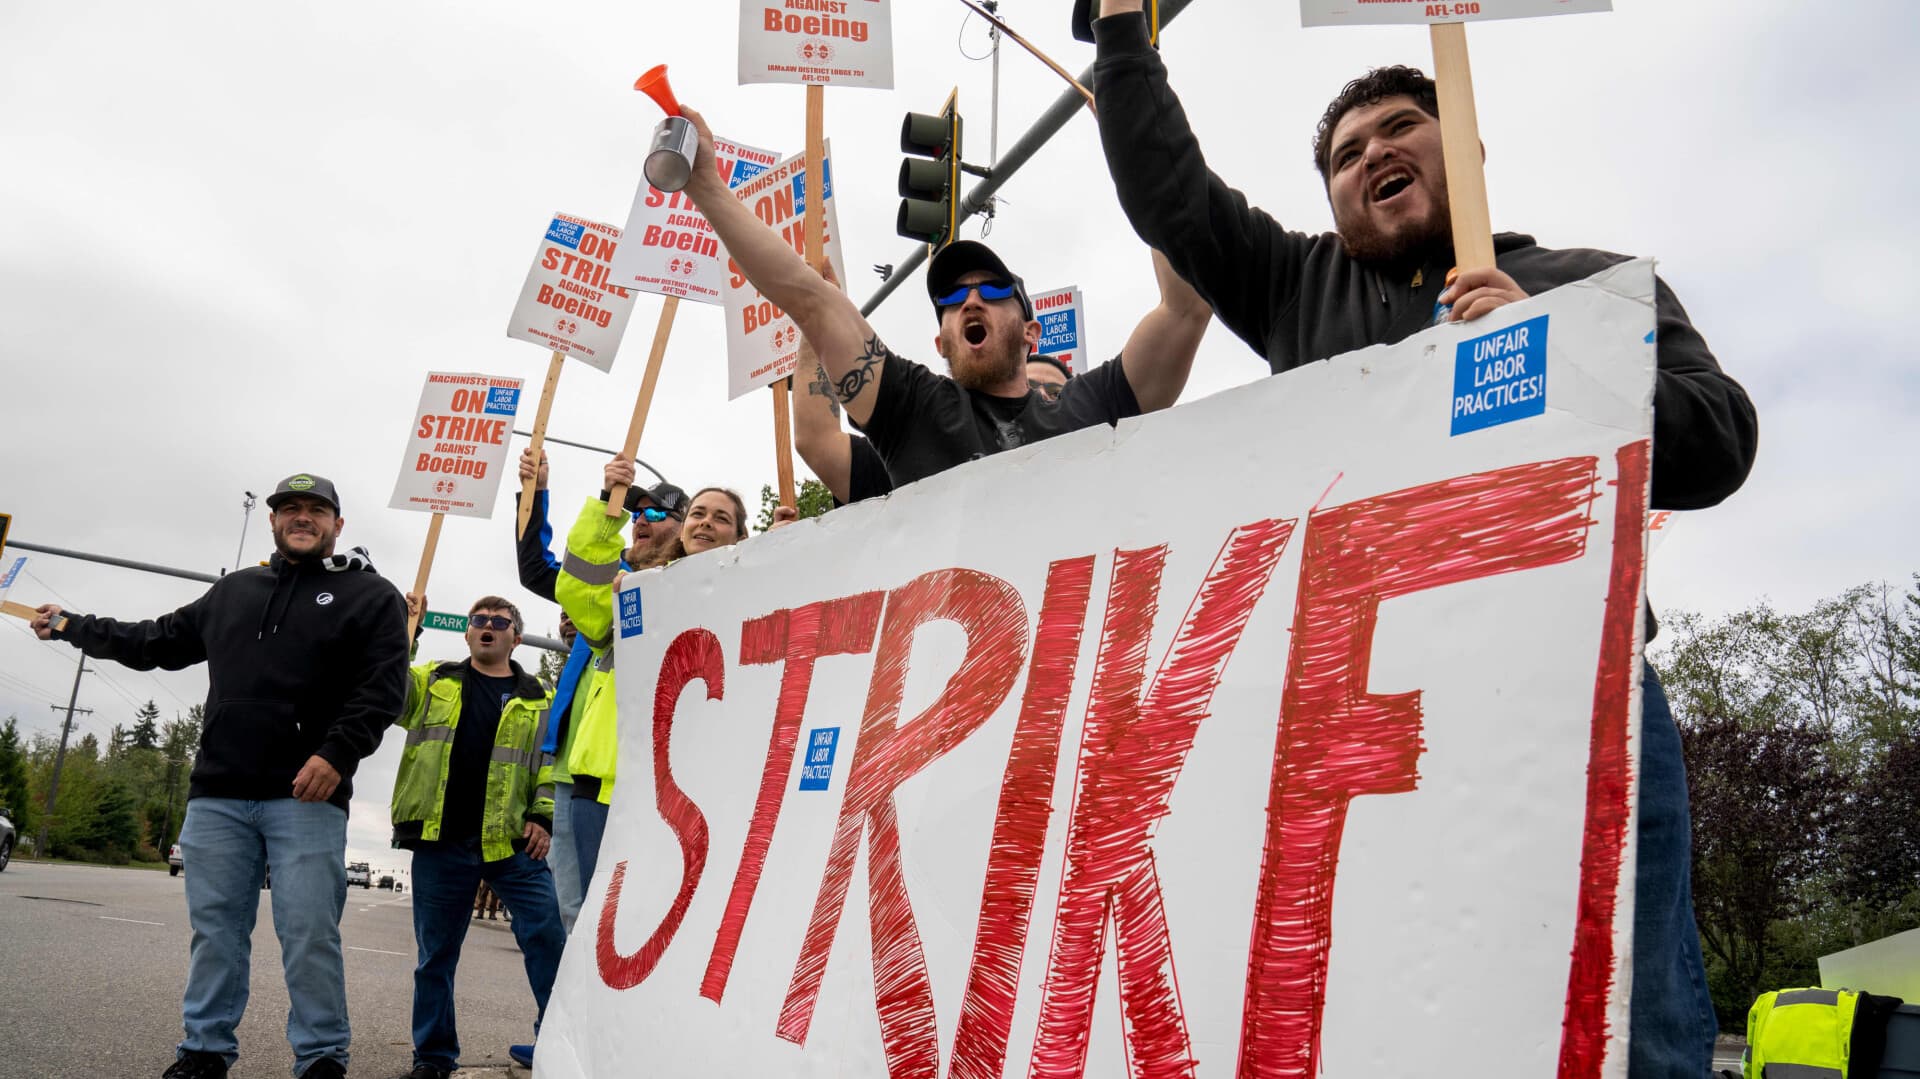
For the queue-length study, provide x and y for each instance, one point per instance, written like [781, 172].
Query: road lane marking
[376, 951]
[134, 921]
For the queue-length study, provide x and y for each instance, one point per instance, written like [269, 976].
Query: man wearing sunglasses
[1047, 376]
[474, 802]
[923, 422]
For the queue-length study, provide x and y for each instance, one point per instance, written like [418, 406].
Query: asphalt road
[93, 962]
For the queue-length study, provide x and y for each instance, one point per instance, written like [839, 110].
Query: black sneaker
[325, 1068]
[428, 1071]
[194, 1064]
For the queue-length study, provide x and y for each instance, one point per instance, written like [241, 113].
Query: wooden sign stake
[538, 441]
[1460, 148]
[22, 611]
[617, 498]
[420, 578]
[816, 223]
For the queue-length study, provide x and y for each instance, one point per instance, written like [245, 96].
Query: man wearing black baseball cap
[307, 661]
[923, 422]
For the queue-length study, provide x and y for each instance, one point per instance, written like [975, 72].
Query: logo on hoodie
[323, 598]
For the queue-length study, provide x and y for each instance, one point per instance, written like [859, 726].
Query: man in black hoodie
[1386, 273]
[307, 665]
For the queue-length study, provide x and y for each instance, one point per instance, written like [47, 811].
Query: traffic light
[930, 180]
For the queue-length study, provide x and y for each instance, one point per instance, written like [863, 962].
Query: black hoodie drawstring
[290, 578]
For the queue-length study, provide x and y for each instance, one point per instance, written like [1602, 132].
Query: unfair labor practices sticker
[1500, 377]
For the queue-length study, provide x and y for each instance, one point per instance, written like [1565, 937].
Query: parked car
[6, 837]
[386, 881]
[360, 873]
[174, 864]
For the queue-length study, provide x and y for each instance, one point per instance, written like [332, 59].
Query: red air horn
[670, 160]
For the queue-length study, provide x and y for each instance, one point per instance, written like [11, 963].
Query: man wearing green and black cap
[307, 665]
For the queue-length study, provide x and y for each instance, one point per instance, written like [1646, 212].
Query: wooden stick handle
[420, 578]
[21, 610]
[783, 440]
[1460, 148]
[538, 442]
[617, 498]
[816, 220]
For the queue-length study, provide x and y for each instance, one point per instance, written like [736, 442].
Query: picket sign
[1453, 85]
[570, 304]
[1063, 335]
[673, 253]
[455, 454]
[1348, 745]
[817, 42]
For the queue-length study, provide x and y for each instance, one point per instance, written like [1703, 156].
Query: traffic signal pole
[1064, 108]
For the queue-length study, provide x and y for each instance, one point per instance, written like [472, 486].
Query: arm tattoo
[820, 387]
[854, 381]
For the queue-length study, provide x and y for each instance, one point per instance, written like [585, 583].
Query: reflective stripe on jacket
[1800, 1034]
[585, 592]
[519, 786]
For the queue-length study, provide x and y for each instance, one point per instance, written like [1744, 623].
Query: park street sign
[1349, 740]
[452, 623]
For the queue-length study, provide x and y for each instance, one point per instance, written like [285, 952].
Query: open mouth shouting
[1389, 184]
[974, 332]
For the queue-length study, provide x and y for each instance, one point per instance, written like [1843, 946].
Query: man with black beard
[307, 665]
[1385, 274]
[922, 422]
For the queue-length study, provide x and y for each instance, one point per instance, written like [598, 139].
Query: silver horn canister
[670, 159]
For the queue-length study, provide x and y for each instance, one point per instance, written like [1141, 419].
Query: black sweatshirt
[1297, 298]
[302, 658]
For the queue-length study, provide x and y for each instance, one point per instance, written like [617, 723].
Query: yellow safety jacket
[585, 592]
[519, 786]
[1800, 1034]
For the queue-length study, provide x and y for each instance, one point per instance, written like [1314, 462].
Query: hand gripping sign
[763, 343]
[1347, 745]
[817, 42]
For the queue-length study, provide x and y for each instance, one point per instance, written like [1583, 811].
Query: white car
[6, 837]
[359, 873]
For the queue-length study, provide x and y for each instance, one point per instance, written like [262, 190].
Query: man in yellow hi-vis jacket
[474, 802]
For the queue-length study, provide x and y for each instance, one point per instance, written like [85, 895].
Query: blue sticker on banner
[816, 772]
[630, 613]
[1059, 330]
[565, 233]
[800, 186]
[503, 400]
[744, 171]
[1500, 377]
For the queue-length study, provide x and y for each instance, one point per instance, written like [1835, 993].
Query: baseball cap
[963, 257]
[305, 483]
[663, 494]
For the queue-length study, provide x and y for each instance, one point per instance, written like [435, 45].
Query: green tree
[551, 665]
[16, 788]
[812, 499]
[146, 727]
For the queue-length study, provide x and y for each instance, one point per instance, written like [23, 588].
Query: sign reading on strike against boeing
[763, 344]
[569, 302]
[672, 250]
[458, 446]
[1343, 744]
[828, 42]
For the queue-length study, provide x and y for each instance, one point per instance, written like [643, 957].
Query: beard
[321, 549]
[1366, 243]
[1004, 357]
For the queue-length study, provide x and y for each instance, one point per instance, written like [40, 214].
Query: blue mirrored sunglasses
[989, 290]
[653, 514]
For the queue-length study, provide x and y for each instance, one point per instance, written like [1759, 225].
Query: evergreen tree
[146, 728]
[16, 791]
[812, 499]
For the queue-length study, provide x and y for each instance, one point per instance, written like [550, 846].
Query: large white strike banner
[671, 249]
[458, 446]
[1291, 731]
[763, 342]
[1389, 12]
[828, 42]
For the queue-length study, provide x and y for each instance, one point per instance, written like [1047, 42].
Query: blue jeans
[445, 876]
[562, 858]
[589, 826]
[226, 845]
[1671, 1024]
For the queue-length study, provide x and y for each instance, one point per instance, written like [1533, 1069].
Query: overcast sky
[234, 237]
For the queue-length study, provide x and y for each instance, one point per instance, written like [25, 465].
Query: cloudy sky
[234, 237]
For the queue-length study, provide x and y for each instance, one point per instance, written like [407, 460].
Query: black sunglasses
[998, 289]
[489, 621]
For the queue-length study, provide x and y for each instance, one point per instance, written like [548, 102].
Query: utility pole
[60, 758]
[245, 516]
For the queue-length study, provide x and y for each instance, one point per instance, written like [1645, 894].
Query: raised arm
[1159, 355]
[534, 547]
[1236, 256]
[849, 350]
[824, 445]
[169, 642]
